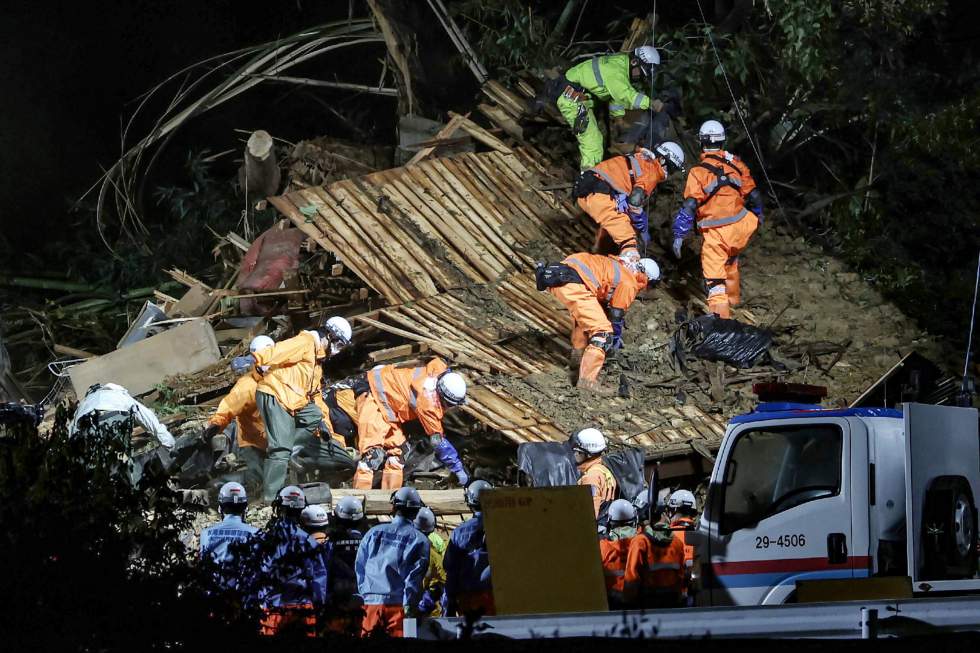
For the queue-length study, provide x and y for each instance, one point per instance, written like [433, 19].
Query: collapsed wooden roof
[451, 244]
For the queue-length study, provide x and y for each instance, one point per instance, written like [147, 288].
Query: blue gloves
[242, 364]
[448, 456]
[617, 341]
[758, 213]
[683, 223]
[640, 221]
[427, 604]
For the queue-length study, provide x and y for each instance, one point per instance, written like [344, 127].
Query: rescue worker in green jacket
[609, 78]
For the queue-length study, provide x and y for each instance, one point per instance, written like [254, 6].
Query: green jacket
[607, 78]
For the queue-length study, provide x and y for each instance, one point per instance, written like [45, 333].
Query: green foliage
[509, 34]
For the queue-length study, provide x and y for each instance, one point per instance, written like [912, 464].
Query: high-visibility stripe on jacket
[623, 173]
[614, 551]
[607, 277]
[681, 526]
[239, 405]
[727, 205]
[409, 393]
[603, 483]
[654, 571]
[294, 374]
[607, 77]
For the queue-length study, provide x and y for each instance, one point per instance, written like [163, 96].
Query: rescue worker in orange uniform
[614, 550]
[655, 569]
[288, 393]
[615, 192]
[721, 196]
[589, 285]
[391, 396]
[682, 511]
[239, 406]
[588, 445]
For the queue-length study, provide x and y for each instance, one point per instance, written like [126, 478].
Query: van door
[781, 510]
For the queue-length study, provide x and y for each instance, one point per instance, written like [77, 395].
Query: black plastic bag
[712, 338]
[547, 464]
[626, 465]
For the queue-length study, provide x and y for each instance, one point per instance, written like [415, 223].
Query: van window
[774, 469]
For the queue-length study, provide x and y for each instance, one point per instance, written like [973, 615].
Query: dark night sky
[71, 70]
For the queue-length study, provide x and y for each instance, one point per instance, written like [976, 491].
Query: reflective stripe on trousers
[583, 269]
[721, 222]
[382, 395]
[659, 566]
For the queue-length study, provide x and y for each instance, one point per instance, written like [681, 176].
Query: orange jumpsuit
[725, 224]
[397, 395]
[622, 173]
[601, 480]
[680, 527]
[239, 405]
[655, 569]
[605, 282]
[614, 552]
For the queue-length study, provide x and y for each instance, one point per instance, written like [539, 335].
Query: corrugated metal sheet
[450, 243]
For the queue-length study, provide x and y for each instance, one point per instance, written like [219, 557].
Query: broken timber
[448, 243]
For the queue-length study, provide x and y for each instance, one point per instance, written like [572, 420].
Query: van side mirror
[653, 493]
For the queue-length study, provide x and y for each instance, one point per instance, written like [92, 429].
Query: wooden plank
[482, 135]
[385, 239]
[499, 117]
[183, 278]
[469, 213]
[445, 132]
[466, 261]
[435, 344]
[185, 349]
[378, 502]
[398, 351]
[65, 350]
[442, 211]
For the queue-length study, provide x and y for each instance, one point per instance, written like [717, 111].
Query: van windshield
[773, 469]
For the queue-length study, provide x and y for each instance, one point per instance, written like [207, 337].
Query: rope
[745, 126]
[653, 42]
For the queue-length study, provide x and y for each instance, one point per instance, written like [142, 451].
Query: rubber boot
[363, 478]
[589, 368]
[274, 474]
[393, 475]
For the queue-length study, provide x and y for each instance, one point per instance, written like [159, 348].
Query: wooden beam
[71, 351]
[444, 133]
[378, 502]
[399, 351]
[482, 135]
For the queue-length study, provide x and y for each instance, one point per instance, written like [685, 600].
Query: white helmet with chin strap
[648, 57]
[451, 387]
[590, 441]
[711, 135]
[672, 154]
[340, 333]
[258, 344]
[315, 516]
[682, 499]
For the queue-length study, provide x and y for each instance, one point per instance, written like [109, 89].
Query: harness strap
[583, 270]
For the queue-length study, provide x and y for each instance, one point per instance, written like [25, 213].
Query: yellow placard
[544, 552]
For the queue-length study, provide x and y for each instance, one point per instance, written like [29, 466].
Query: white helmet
[349, 509]
[233, 493]
[650, 268]
[315, 516]
[648, 57]
[452, 388]
[425, 521]
[259, 343]
[673, 153]
[293, 497]
[340, 329]
[682, 499]
[622, 511]
[589, 440]
[711, 134]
